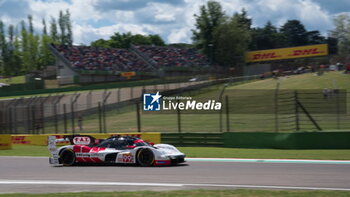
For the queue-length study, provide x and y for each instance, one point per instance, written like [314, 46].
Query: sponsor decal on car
[81, 140]
[125, 158]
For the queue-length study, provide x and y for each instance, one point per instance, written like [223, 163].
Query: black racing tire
[67, 157]
[145, 157]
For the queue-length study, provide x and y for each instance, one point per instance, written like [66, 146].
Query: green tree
[69, 35]
[101, 43]
[66, 34]
[53, 31]
[2, 46]
[231, 41]
[342, 33]
[156, 40]
[294, 33]
[30, 23]
[44, 27]
[45, 56]
[62, 25]
[243, 20]
[267, 37]
[315, 37]
[210, 17]
[126, 39]
[11, 58]
[25, 48]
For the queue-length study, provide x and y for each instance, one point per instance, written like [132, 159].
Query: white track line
[311, 161]
[52, 182]
[198, 159]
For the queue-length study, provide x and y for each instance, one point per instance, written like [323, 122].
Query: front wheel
[145, 157]
[67, 157]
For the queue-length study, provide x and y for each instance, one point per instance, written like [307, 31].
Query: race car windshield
[113, 143]
[140, 142]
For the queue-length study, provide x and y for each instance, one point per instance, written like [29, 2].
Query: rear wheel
[67, 157]
[145, 157]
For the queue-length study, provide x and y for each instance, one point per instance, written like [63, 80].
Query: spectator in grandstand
[169, 56]
[94, 58]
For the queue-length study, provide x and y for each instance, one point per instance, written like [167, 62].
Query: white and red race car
[116, 149]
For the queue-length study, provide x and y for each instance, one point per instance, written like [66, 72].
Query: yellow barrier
[5, 142]
[41, 139]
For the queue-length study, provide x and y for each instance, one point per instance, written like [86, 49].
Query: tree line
[222, 38]
[225, 39]
[24, 49]
[124, 40]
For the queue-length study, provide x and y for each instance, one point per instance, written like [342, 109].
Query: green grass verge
[265, 153]
[14, 80]
[304, 81]
[194, 193]
[28, 150]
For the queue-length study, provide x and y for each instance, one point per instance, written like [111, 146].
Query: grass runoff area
[331, 79]
[13, 80]
[213, 152]
[194, 193]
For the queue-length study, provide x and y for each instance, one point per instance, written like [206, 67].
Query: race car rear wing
[51, 145]
[52, 142]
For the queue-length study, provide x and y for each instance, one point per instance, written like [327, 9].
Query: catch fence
[120, 110]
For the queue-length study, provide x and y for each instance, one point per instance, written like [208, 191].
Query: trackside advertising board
[41, 139]
[287, 53]
[5, 142]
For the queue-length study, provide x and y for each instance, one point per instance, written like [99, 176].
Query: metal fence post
[227, 114]
[276, 107]
[178, 119]
[297, 124]
[99, 117]
[65, 117]
[131, 92]
[1, 122]
[89, 99]
[72, 118]
[106, 95]
[33, 120]
[55, 117]
[338, 108]
[138, 117]
[28, 119]
[10, 120]
[73, 101]
[118, 95]
[220, 112]
[42, 117]
[104, 117]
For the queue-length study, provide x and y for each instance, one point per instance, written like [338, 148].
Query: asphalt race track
[35, 175]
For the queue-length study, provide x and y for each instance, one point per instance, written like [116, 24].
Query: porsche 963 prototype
[116, 149]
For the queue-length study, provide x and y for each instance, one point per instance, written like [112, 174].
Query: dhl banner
[5, 142]
[42, 139]
[287, 53]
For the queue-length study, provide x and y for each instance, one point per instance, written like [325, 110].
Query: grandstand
[85, 64]
[171, 56]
